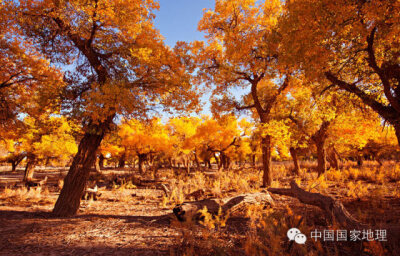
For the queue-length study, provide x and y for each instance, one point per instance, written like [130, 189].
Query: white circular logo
[294, 234]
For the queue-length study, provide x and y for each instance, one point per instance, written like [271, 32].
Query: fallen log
[337, 213]
[188, 210]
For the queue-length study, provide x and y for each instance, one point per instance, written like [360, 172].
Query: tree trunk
[227, 162]
[13, 166]
[216, 160]
[47, 162]
[15, 161]
[208, 163]
[293, 153]
[170, 162]
[321, 157]
[360, 160]
[319, 139]
[222, 161]
[333, 158]
[196, 160]
[101, 161]
[142, 159]
[30, 168]
[121, 163]
[267, 160]
[188, 167]
[397, 130]
[97, 164]
[74, 183]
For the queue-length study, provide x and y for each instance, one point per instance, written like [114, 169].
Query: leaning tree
[115, 63]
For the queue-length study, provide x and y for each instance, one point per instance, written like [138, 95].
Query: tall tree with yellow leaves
[117, 62]
[354, 45]
[242, 52]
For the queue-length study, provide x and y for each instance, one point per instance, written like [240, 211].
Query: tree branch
[238, 107]
[385, 111]
[381, 73]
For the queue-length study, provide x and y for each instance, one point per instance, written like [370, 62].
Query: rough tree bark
[293, 153]
[333, 157]
[122, 160]
[319, 139]
[267, 160]
[30, 167]
[74, 183]
[321, 157]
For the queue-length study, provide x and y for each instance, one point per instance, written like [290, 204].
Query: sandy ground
[133, 222]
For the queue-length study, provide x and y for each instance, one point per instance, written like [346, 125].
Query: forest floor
[135, 217]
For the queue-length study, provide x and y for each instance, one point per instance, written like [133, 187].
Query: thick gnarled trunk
[14, 166]
[293, 153]
[122, 161]
[319, 139]
[30, 167]
[74, 183]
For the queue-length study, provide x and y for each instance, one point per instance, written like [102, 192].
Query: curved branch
[381, 73]
[385, 111]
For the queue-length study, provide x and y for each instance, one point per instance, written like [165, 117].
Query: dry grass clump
[219, 184]
[268, 233]
[23, 195]
[378, 175]
[357, 189]
[207, 235]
